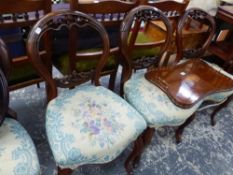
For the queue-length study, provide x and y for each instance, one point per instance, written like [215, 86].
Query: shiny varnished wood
[188, 83]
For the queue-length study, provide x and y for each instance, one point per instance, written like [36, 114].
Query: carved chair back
[207, 21]
[110, 13]
[18, 17]
[72, 21]
[172, 9]
[141, 15]
[4, 95]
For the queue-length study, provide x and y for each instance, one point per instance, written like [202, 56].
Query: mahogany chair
[154, 32]
[160, 95]
[16, 19]
[141, 15]
[17, 151]
[110, 13]
[88, 124]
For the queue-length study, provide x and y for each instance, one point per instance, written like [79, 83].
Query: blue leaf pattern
[23, 153]
[153, 104]
[90, 124]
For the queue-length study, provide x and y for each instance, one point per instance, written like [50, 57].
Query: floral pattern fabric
[89, 125]
[156, 107]
[17, 152]
[153, 104]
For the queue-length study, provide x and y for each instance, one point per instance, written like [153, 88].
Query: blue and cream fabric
[156, 107]
[17, 152]
[90, 125]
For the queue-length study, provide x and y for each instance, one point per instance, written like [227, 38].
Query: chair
[154, 102]
[17, 151]
[16, 18]
[110, 13]
[88, 124]
[154, 32]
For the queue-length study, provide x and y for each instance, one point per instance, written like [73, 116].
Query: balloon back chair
[88, 124]
[161, 95]
[17, 151]
[152, 34]
[134, 82]
[110, 13]
[216, 99]
[16, 19]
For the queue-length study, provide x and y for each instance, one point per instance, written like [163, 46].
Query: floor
[205, 150]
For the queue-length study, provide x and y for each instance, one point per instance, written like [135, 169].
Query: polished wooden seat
[16, 19]
[188, 83]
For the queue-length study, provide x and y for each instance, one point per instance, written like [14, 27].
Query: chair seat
[22, 73]
[144, 52]
[155, 105]
[62, 62]
[17, 151]
[84, 127]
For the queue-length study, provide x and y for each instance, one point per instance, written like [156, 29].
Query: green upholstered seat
[22, 73]
[82, 66]
[148, 52]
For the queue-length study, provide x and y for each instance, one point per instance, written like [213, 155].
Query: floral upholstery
[17, 152]
[155, 105]
[89, 125]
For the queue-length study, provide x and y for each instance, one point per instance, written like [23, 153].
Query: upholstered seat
[101, 131]
[142, 94]
[138, 53]
[62, 63]
[17, 151]
[85, 124]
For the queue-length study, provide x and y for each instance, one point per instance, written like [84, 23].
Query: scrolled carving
[73, 79]
[145, 62]
[197, 14]
[67, 20]
[147, 15]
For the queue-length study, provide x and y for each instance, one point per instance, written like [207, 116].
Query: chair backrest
[172, 9]
[141, 15]
[108, 12]
[4, 94]
[72, 21]
[14, 13]
[208, 23]
[16, 19]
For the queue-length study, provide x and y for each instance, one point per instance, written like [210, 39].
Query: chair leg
[147, 136]
[12, 113]
[38, 85]
[66, 171]
[217, 109]
[135, 156]
[112, 80]
[180, 129]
